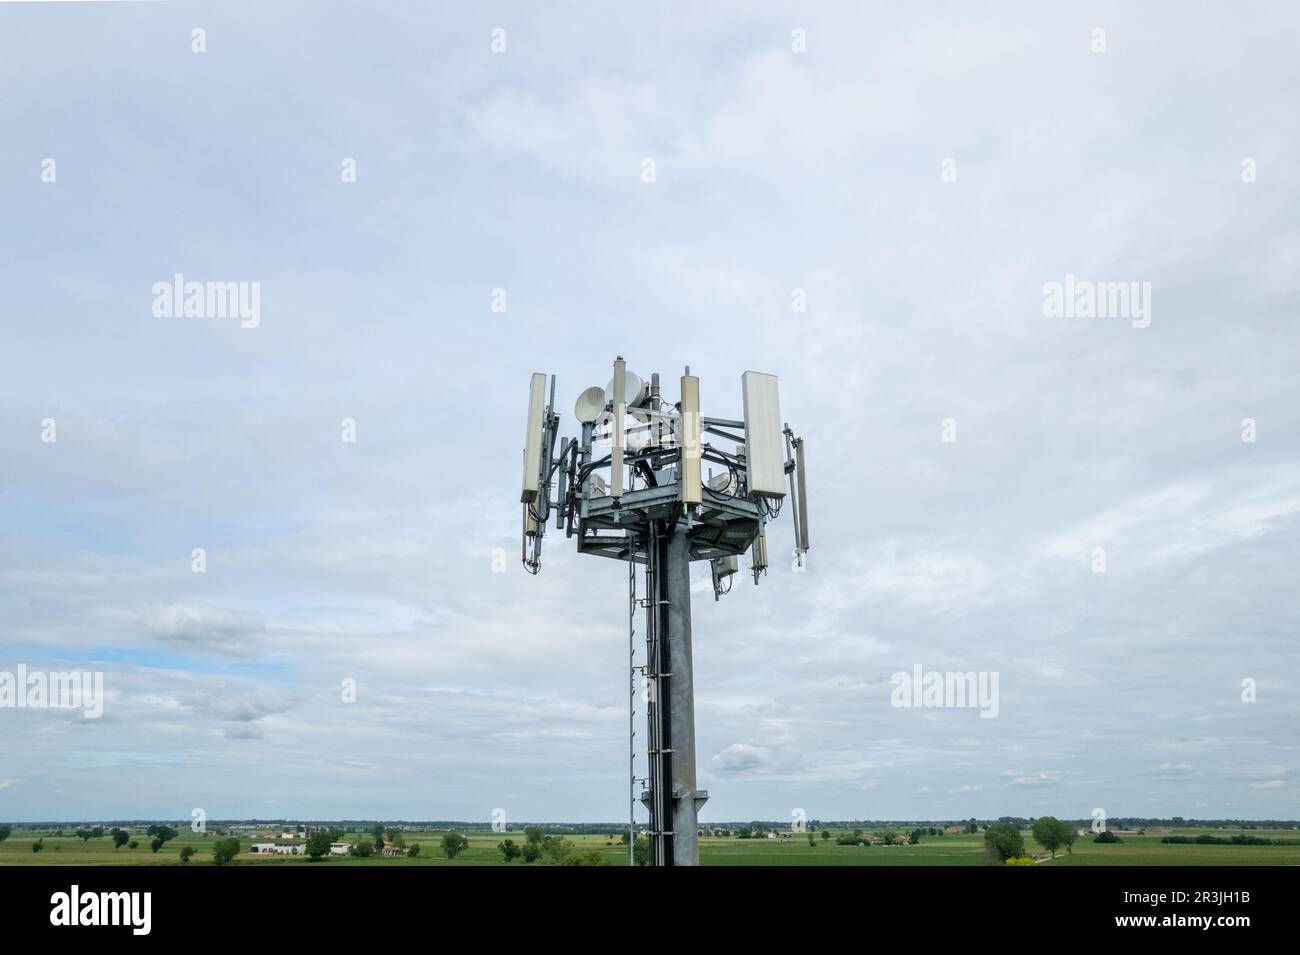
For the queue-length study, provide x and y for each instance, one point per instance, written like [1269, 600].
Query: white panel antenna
[533, 438]
[618, 395]
[690, 440]
[764, 439]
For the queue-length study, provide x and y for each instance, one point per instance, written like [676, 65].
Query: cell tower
[644, 500]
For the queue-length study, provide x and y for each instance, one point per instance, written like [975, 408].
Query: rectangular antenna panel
[616, 430]
[764, 447]
[690, 439]
[533, 438]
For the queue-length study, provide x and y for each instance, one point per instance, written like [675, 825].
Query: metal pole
[631, 702]
[794, 501]
[658, 669]
[681, 698]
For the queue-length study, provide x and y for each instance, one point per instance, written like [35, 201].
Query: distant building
[276, 849]
[340, 848]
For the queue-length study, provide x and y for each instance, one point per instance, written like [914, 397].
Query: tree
[162, 835]
[812, 839]
[1107, 836]
[509, 851]
[39, 844]
[531, 851]
[5, 832]
[414, 850]
[556, 849]
[133, 844]
[378, 830]
[453, 844]
[1048, 833]
[826, 834]
[318, 845]
[1002, 841]
[97, 832]
[223, 850]
[590, 857]
[363, 848]
[120, 838]
[533, 834]
[1069, 834]
[641, 851]
[186, 852]
[156, 843]
[83, 835]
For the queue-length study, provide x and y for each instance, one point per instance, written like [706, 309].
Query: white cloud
[740, 758]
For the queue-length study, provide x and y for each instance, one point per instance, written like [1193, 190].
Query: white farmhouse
[277, 849]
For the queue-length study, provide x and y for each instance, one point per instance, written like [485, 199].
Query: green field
[938, 850]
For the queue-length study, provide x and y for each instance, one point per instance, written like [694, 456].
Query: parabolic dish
[633, 388]
[590, 405]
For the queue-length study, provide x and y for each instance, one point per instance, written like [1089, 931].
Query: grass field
[941, 850]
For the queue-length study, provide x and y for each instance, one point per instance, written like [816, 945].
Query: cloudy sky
[919, 174]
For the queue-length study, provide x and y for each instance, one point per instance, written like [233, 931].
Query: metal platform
[723, 526]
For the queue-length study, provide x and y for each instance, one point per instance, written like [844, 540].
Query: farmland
[947, 850]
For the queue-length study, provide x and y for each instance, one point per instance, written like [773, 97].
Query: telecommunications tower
[631, 487]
